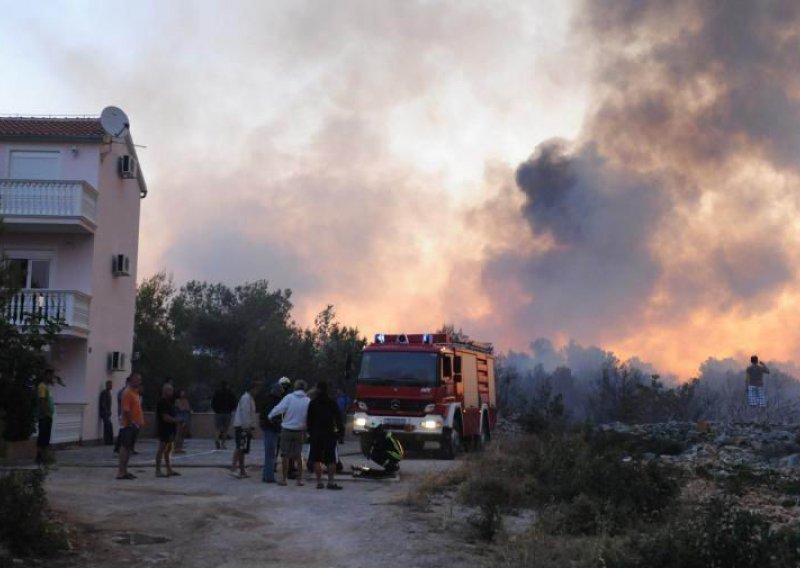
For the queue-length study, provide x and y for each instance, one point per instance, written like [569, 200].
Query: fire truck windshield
[399, 369]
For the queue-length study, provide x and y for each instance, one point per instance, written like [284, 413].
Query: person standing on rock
[294, 408]
[754, 381]
[244, 424]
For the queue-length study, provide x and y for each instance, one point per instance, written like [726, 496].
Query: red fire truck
[427, 387]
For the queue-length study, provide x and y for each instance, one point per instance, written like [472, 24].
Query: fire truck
[427, 388]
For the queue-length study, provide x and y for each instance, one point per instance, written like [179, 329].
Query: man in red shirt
[131, 421]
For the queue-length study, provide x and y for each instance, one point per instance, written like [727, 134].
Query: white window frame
[28, 254]
[42, 150]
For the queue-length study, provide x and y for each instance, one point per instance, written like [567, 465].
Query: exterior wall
[113, 298]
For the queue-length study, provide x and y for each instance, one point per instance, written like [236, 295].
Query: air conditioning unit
[128, 167]
[116, 361]
[121, 265]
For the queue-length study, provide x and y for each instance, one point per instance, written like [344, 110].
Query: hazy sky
[619, 173]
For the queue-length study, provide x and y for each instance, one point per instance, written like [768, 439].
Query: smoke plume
[668, 228]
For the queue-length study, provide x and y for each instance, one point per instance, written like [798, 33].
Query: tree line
[203, 333]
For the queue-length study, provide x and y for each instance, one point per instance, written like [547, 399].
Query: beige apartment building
[70, 195]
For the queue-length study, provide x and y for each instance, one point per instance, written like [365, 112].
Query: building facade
[70, 197]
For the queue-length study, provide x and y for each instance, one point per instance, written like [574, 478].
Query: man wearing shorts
[131, 421]
[244, 424]
[325, 428]
[756, 393]
[166, 423]
[294, 408]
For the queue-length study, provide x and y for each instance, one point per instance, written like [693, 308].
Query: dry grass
[435, 483]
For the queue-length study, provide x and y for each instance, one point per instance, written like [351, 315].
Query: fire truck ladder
[478, 346]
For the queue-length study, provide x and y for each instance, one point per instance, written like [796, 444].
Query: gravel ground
[206, 518]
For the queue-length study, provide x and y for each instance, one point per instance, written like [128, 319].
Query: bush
[717, 533]
[24, 525]
[597, 488]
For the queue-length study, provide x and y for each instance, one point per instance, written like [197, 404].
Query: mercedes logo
[395, 404]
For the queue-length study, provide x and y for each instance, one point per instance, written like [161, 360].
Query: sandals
[126, 476]
[282, 483]
[320, 485]
[334, 486]
[173, 473]
[161, 474]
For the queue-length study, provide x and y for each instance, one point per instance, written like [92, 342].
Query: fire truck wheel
[366, 444]
[451, 441]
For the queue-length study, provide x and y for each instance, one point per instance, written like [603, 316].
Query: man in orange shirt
[131, 421]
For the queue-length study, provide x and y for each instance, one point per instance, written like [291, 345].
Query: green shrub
[24, 524]
[716, 534]
[597, 487]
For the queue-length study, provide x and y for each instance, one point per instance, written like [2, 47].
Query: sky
[618, 174]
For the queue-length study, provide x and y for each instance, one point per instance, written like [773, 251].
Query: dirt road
[206, 518]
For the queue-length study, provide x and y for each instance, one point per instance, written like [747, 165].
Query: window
[26, 164]
[401, 368]
[30, 273]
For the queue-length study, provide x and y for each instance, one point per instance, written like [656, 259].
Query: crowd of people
[289, 416]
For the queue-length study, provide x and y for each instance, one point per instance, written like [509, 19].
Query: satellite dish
[114, 121]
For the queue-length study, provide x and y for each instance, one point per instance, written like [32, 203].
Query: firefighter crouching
[385, 450]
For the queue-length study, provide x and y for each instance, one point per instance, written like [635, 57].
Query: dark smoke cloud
[666, 205]
[598, 266]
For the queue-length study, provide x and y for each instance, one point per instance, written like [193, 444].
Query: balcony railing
[68, 305]
[41, 204]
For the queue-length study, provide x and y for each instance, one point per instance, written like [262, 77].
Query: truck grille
[396, 405]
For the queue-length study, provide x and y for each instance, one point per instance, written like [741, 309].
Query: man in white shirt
[294, 407]
[245, 420]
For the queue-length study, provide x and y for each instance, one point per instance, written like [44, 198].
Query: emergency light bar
[412, 338]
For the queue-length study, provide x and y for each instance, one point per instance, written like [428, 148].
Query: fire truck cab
[427, 388]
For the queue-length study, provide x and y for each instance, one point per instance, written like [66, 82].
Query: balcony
[48, 206]
[70, 305]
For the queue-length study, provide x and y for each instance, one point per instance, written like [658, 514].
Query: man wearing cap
[294, 407]
[272, 427]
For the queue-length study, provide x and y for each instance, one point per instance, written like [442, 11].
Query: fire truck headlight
[430, 424]
[430, 408]
[361, 422]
